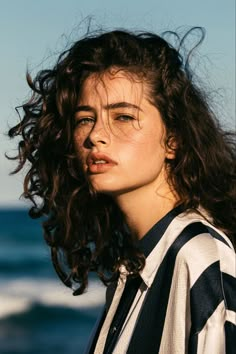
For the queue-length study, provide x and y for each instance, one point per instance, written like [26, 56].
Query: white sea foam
[11, 305]
[18, 295]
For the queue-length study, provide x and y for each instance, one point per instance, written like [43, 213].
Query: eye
[84, 121]
[124, 118]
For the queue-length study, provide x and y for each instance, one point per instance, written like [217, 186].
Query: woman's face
[119, 136]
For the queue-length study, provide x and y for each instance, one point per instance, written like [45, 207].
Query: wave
[17, 226]
[20, 264]
[37, 313]
[19, 295]
[42, 329]
[22, 261]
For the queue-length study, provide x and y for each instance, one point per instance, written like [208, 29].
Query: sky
[33, 33]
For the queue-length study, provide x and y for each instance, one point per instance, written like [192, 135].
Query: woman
[137, 179]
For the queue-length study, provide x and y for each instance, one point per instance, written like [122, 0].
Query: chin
[104, 190]
[113, 191]
[102, 184]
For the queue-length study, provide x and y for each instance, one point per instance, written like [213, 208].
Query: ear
[171, 147]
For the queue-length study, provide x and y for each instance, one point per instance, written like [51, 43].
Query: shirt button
[114, 329]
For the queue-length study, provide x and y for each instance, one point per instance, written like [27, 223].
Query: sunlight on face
[119, 136]
[108, 100]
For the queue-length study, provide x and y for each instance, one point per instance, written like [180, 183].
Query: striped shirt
[185, 302]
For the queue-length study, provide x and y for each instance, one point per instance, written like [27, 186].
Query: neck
[142, 209]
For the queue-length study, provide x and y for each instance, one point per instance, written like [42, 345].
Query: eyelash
[84, 121]
[126, 116]
[90, 120]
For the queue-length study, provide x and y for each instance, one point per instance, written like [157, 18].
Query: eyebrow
[122, 105]
[116, 105]
[84, 109]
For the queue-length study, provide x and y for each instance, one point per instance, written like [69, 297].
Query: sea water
[38, 314]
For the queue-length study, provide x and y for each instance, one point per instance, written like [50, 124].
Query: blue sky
[32, 32]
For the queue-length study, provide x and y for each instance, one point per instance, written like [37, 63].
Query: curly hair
[86, 231]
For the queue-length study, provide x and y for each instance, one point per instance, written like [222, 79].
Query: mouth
[96, 162]
[99, 163]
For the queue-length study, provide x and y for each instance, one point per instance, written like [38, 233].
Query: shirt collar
[147, 244]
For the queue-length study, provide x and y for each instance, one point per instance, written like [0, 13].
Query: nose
[99, 134]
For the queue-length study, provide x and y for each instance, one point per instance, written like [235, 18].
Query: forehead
[112, 86]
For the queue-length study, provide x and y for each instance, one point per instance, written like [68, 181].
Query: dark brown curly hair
[85, 230]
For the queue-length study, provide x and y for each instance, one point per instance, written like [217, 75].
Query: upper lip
[96, 156]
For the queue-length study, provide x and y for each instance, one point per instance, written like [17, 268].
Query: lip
[100, 167]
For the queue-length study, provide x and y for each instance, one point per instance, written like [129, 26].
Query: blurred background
[37, 313]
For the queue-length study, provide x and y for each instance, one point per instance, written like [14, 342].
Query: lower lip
[100, 167]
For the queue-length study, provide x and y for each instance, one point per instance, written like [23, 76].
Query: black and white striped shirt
[185, 302]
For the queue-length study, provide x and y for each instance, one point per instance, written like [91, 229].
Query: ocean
[38, 314]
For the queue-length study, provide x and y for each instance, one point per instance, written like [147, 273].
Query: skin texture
[116, 123]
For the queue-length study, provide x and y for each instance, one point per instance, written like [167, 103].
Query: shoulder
[200, 247]
[196, 235]
[208, 260]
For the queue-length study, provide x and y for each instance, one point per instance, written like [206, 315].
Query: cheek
[79, 141]
[134, 153]
[80, 152]
[149, 154]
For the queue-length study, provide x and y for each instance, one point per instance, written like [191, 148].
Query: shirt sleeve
[213, 307]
